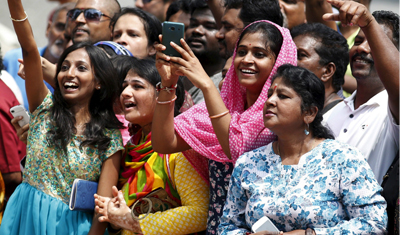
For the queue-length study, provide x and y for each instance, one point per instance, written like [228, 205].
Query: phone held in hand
[20, 110]
[172, 31]
[264, 224]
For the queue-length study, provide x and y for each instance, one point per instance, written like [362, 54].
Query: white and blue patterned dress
[332, 189]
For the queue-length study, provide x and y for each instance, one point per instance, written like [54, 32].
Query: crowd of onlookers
[286, 109]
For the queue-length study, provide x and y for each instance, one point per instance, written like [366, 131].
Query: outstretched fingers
[350, 13]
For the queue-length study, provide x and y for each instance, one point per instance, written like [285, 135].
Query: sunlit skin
[307, 57]
[253, 63]
[76, 78]
[361, 61]
[129, 31]
[230, 31]
[201, 32]
[138, 100]
[91, 31]
[282, 110]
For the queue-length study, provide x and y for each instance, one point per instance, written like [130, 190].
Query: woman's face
[138, 99]
[253, 62]
[282, 110]
[76, 78]
[129, 32]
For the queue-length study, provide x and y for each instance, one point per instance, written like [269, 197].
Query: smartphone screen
[172, 31]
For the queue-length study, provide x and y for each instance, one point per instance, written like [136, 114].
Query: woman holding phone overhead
[215, 133]
[73, 134]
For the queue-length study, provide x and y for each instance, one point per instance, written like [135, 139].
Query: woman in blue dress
[305, 182]
[72, 134]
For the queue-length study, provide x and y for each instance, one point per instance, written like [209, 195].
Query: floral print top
[332, 189]
[51, 171]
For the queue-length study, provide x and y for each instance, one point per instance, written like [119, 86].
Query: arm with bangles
[36, 90]
[170, 68]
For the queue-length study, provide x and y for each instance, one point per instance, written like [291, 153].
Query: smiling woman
[73, 134]
[304, 175]
[215, 133]
[144, 170]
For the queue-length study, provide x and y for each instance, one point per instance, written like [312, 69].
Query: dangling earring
[306, 131]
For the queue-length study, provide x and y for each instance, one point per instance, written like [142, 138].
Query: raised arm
[36, 90]
[315, 9]
[163, 118]
[384, 52]
[190, 67]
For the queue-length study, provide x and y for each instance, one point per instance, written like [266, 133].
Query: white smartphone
[264, 224]
[19, 110]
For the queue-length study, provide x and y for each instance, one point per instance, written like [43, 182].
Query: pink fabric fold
[246, 130]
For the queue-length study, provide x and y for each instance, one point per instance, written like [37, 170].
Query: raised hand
[350, 13]
[163, 64]
[190, 66]
[22, 132]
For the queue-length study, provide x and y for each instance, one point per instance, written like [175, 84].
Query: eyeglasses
[90, 14]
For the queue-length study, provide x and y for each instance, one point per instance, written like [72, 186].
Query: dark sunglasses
[90, 14]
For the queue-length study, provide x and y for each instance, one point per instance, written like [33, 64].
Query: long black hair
[146, 69]
[311, 91]
[101, 111]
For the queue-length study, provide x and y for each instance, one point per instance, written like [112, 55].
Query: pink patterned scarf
[246, 131]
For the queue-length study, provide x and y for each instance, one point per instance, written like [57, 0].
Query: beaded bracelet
[16, 20]
[166, 102]
[160, 87]
[219, 115]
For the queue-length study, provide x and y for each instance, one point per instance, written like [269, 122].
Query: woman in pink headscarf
[215, 133]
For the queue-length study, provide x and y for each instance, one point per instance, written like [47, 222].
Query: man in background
[200, 37]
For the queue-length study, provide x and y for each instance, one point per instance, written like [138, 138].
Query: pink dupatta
[246, 130]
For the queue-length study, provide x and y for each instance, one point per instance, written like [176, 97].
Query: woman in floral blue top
[305, 182]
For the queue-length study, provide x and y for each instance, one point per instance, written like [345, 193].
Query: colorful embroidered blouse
[48, 169]
[192, 215]
[332, 189]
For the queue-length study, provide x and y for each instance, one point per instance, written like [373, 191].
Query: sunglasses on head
[90, 14]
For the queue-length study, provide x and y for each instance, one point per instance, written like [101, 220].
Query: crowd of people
[274, 108]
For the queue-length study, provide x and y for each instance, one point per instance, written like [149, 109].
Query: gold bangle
[219, 115]
[166, 102]
[15, 20]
